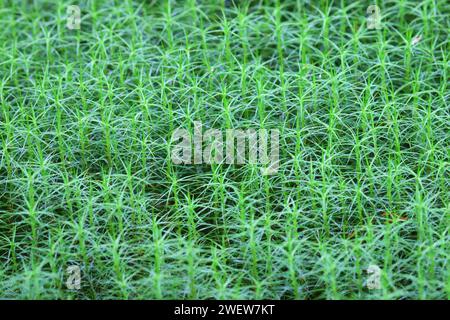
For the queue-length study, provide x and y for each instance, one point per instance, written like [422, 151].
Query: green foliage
[86, 178]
